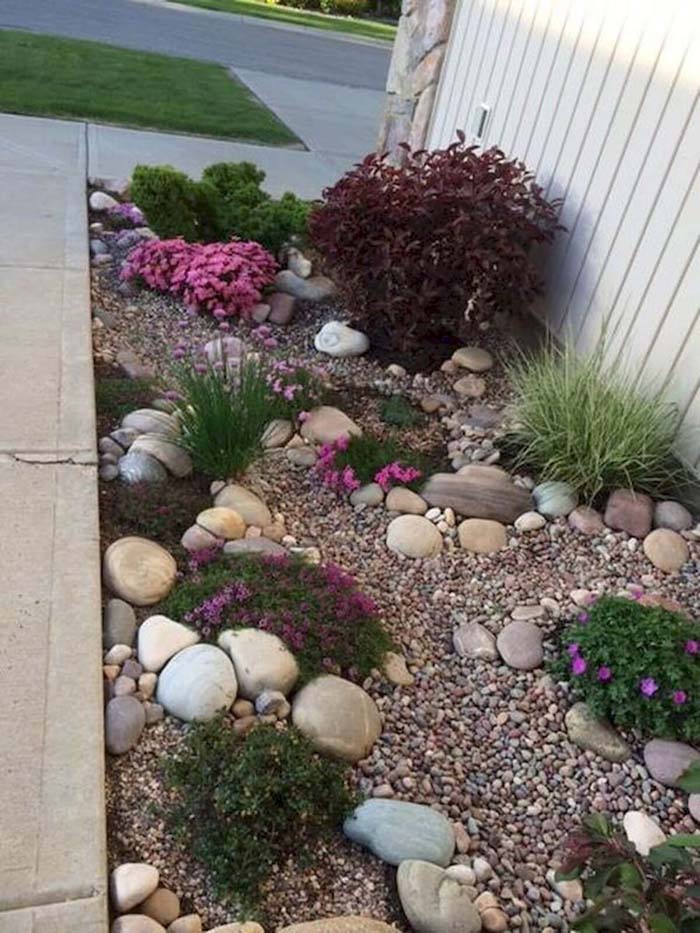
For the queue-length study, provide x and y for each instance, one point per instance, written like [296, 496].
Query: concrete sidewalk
[52, 818]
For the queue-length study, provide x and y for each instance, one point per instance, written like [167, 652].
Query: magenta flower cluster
[345, 480]
[222, 279]
[210, 614]
[396, 473]
[129, 212]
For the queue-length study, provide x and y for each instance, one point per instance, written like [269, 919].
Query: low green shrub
[580, 422]
[397, 410]
[317, 610]
[351, 462]
[223, 414]
[174, 205]
[246, 805]
[636, 665]
[657, 893]
[228, 202]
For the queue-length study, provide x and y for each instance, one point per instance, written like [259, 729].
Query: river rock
[260, 545]
[673, 515]
[124, 722]
[413, 536]
[434, 902]
[247, 504]
[151, 421]
[139, 571]
[275, 435]
[160, 638]
[401, 499]
[119, 625]
[226, 349]
[642, 831]
[130, 884]
[189, 923]
[473, 640]
[282, 307]
[474, 359]
[667, 760]
[596, 735]
[338, 717]
[666, 550]
[554, 498]
[136, 923]
[174, 458]
[694, 807]
[261, 661]
[197, 684]
[197, 538]
[163, 905]
[482, 536]
[137, 466]
[99, 201]
[340, 925]
[520, 645]
[372, 494]
[298, 263]
[529, 521]
[489, 496]
[396, 670]
[339, 340]
[222, 523]
[586, 520]
[471, 386]
[395, 830]
[629, 511]
[314, 289]
[327, 424]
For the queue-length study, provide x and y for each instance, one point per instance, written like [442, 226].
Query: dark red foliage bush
[414, 247]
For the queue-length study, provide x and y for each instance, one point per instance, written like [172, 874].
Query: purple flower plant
[605, 675]
[578, 666]
[680, 697]
[692, 646]
[648, 687]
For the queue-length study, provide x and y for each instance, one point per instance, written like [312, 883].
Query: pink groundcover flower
[578, 666]
[648, 687]
[680, 697]
[692, 646]
[605, 675]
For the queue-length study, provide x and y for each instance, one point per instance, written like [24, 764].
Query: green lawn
[47, 76]
[355, 27]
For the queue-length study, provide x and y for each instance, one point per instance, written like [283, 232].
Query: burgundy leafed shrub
[413, 247]
[224, 279]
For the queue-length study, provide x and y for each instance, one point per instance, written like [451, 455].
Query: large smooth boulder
[222, 523]
[667, 760]
[629, 511]
[174, 458]
[474, 359]
[138, 466]
[472, 640]
[130, 884]
[160, 638]
[151, 421]
[433, 901]
[259, 545]
[124, 722]
[250, 507]
[595, 735]
[119, 624]
[316, 288]
[351, 924]
[261, 660]
[136, 923]
[395, 830]
[477, 498]
[413, 536]
[673, 515]
[338, 717]
[139, 571]
[101, 201]
[401, 499]
[337, 339]
[586, 520]
[482, 535]
[520, 645]
[554, 498]
[327, 424]
[666, 550]
[197, 684]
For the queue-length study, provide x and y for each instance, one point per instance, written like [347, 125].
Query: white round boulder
[174, 458]
[261, 661]
[338, 717]
[337, 339]
[131, 883]
[160, 638]
[139, 571]
[197, 684]
[413, 536]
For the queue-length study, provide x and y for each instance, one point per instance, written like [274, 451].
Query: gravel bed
[481, 742]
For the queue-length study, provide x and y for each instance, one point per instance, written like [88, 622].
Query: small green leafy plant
[397, 410]
[579, 422]
[638, 666]
[246, 805]
[351, 462]
[317, 610]
[655, 894]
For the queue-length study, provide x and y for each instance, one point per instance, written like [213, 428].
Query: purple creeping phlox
[692, 646]
[680, 697]
[605, 675]
[127, 211]
[648, 687]
[396, 473]
[208, 616]
[578, 665]
[222, 279]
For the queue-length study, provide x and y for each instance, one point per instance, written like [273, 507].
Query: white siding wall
[600, 99]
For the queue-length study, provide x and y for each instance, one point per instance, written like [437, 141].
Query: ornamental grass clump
[317, 610]
[636, 665]
[351, 462]
[580, 422]
[245, 805]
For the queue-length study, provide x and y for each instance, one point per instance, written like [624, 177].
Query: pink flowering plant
[221, 279]
[317, 610]
[636, 665]
[353, 461]
[295, 387]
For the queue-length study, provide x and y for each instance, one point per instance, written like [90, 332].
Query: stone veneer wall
[419, 50]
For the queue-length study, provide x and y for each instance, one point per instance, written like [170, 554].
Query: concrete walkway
[52, 832]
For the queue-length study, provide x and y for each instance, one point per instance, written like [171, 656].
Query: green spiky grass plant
[576, 420]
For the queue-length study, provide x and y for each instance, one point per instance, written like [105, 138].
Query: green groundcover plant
[317, 610]
[638, 666]
[228, 202]
[658, 893]
[397, 410]
[246, 805]
[597, 429]
[350, 462]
